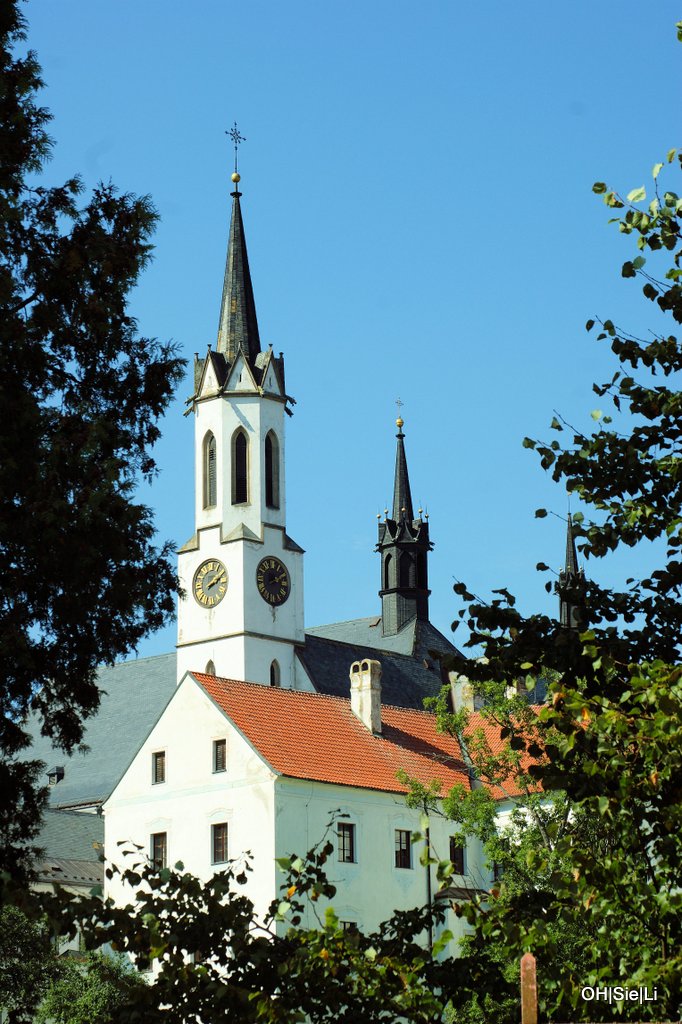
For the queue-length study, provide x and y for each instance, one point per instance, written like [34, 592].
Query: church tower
[404, 546]
[241, 575]
[571, 585]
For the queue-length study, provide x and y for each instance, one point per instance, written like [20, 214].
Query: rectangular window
[403, 848]
[457, 855]
[159, 850]
[346, 834]
[219, 755]
[349, 926]
[158, 767]
[219, 843]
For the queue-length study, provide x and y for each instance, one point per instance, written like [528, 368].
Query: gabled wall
[193, 797]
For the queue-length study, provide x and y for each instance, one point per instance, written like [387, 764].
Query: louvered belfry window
[271, 470]
[210, 472]
[240, 468]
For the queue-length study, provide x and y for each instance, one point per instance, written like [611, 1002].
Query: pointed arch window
[421, 571]
[387, 571]
[210, 483]
[240, 468]
[271, 470]
[406, 571]
[275, 676]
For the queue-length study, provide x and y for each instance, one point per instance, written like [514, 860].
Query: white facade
[271, 816]
[242, 635]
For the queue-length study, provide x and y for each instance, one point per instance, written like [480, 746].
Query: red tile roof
[313, 736]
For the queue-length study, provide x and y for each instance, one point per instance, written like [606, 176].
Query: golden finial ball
[400, 423]
[236, 177]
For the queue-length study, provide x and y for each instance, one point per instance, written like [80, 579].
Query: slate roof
[135, 694]
[417, 638]
[71, 835]
[71, 872]
[317, 737]
[409, 672]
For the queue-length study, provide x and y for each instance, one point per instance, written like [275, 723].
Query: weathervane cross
[399, 404]
[237, 138]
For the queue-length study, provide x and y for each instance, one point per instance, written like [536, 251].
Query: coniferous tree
[81, 392]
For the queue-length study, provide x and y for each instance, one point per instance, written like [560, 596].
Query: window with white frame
[346, 848]
[158, 767]
[403, 848]
[457, 848]
[219, 755]
[158, 849]
[219, 843]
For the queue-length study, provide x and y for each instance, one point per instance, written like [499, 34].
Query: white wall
[193, 798]
[373, 887]
[270, 815]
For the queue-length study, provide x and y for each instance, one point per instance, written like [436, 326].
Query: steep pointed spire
[238, 327]
[404, 545]
[402, 497]
[571, 585]
[571, 567]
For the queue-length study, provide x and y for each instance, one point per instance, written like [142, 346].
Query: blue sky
[417, 200]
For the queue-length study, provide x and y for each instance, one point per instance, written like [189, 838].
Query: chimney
[461, 691]
[365, 693]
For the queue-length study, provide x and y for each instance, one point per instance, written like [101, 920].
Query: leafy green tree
[92, 992]
[81, 393]
[611, 739]
[27, 964]
[214, 960]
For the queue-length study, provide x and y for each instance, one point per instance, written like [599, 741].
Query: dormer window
[55, 775]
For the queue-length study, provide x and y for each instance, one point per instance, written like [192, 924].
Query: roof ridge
[302, 693]
[343, 622]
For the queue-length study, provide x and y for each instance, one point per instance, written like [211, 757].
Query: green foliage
[213, 960]
[591, 885]
[27, 963]
[81, 393]
[93, 992]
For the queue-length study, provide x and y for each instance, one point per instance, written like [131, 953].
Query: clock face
[273, 581]
[210, 583]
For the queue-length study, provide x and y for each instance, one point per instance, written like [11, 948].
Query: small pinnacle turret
[571, 584]
[404, 546]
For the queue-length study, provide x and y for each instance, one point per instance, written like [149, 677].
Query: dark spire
[404, 546]
[238, 327]
[571, 567]
[571, 584]
[402, 498]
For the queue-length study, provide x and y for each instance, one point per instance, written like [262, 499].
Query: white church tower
[241, 576]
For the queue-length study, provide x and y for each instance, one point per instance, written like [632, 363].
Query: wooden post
[529, 990]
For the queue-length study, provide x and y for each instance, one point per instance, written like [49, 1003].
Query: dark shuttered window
[219, 843]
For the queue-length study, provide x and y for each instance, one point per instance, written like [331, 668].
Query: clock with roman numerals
[210, 583]
[273, 580]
